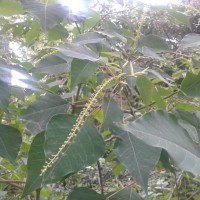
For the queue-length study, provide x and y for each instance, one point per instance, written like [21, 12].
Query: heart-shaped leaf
[161, 129]
[40, 111]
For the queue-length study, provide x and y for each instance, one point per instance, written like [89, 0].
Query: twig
[12, 183]
[38, 193]
[192, 195]
[100, 177]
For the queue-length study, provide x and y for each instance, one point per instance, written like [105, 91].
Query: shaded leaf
[125, 194]
[191, 84]
[77, 51]
[191, 40]
[10, 142]
[81, 70]
[40, 111]
[10, 7]
[83, 151]
[4, 96]
[52, 65]
[112, 113]
[145, 88]
[36, 159]
[161, 129]
[139, 158]
[85, 194]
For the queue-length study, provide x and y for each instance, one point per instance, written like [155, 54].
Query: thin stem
[78, 92]
[38, 194]
[100, 177]
[79, 30]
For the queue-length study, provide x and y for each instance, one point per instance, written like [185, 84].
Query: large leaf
[150, 45]
[81, 70]
[125, 194]
[49, 15]
[84, 150]
[52, 65]
[88, 38]
[4, 96]
[10, 142]
[112, 113]
[36, 159]
[145, 88]
[85, 194]
[138, 157]
[77, 51]
[191, 40]
[191, 84]
[161, 129]
[40, 111]
[10, 7]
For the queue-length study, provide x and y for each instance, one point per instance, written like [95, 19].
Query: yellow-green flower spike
[78, 125]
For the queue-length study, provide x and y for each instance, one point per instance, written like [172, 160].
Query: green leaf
[150, 45]
[49, 15]
[4, 96]
[83, 151]
[85, 194]
[93, 18]
[10, 142]
[33, 33]
[191, 40]
[36, 159]
[125, 194]
[89, 38]
[52, 65]
[191, 84]
[161, 129]
[57, 33]
[112, 113]
[139, 158]
[81, 70]
[40, 111]
[145, 88]
[10, 7]
[78, 51]
[181, 18]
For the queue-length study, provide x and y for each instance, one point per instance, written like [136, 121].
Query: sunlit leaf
[10, 7]
[191, 84]
[10, 142]
[81, 70]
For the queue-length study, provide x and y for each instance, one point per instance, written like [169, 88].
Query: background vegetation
[114, 88]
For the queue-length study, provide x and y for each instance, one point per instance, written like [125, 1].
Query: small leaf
[36, 159]
[40, 111]
[57, 33]
[161, 129]
[10, 142]
[85, 194]
[125, 194]
[139, 158]
[83, 151]
[112, 113]
[191, 84]
[145, 88]
[81, 70]
[4, 96]
[77, 51]
[33, 33]
[191, 40]
[10, 7]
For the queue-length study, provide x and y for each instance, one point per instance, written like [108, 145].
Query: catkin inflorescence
[78, 125]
